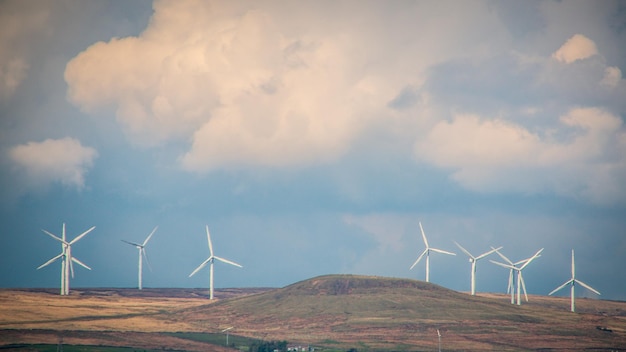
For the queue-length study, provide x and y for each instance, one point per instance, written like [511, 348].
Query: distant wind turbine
[66, 258]
[439, 337]
[142, 252]
[573, 281]
[210, 260]
[520, 280]
[227, 330]
[473, 260]
[427, 253]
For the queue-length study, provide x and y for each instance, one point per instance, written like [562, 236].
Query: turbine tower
[210, 260]
[427, 253]
[473, 260]
[573, 281]
[520, 279]
[66, 258]
[142, 252]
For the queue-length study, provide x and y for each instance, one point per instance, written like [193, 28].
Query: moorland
[330, 313]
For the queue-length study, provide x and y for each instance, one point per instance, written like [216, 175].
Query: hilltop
[333, 311]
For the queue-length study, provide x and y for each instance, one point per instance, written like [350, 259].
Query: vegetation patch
[234, 341]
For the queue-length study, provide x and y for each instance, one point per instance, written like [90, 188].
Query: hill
[374, 313]
[334, 311]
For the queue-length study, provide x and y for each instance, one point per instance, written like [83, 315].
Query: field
[336, 312]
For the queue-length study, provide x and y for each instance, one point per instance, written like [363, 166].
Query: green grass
[234, 341]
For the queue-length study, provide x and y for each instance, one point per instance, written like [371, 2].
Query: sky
[312, 138]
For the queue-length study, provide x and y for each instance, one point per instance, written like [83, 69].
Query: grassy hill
[374, 313]
[334, 312]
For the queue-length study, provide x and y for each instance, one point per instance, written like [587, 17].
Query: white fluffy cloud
[283, 85]
[577, 47]
[494, 155]
[54, 160]
[266, 83]
[241, 88]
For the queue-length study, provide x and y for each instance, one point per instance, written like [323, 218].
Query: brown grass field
[335, 312]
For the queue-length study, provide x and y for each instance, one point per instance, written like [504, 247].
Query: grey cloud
[407, 98]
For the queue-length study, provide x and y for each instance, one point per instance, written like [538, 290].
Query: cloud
[265, 84]
[248, 86]
[612, 77]
[578, 47]
[386, 229]
[54, 160]
[234, 81]
[20, 22]
[586, 159]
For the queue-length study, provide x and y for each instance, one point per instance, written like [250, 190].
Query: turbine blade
[201, 266]
[132, 243]
[487, 253]
[464, 250]
[587, 286]
[79, 263]
[227, 261]
[442, 251]
[510, 285]
[423, 235]
[419, 258]
[503, 257]
[531, 259]
[53, 236]
[50, 261]
[573, 266]
[560, 287]
[143, 251]
[82, 235]
[208, 235]
[521, 280]
[524, 260]
[503, 265]
[149, 236]
[71, 267]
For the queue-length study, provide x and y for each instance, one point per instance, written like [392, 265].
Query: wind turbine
[520, 279]
[142, 251]
[66, 258]
[210, 260]
[473, 260]
[227, 331]
[573, 281]
[511, 286]
[427, 253]
[439, 336]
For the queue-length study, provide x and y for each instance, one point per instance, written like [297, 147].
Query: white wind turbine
[66, 258]
[473, 260]
[142, 252]
[520, 279]
[427, 253]
[210, 260]
[511, 286]
[573, 281]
